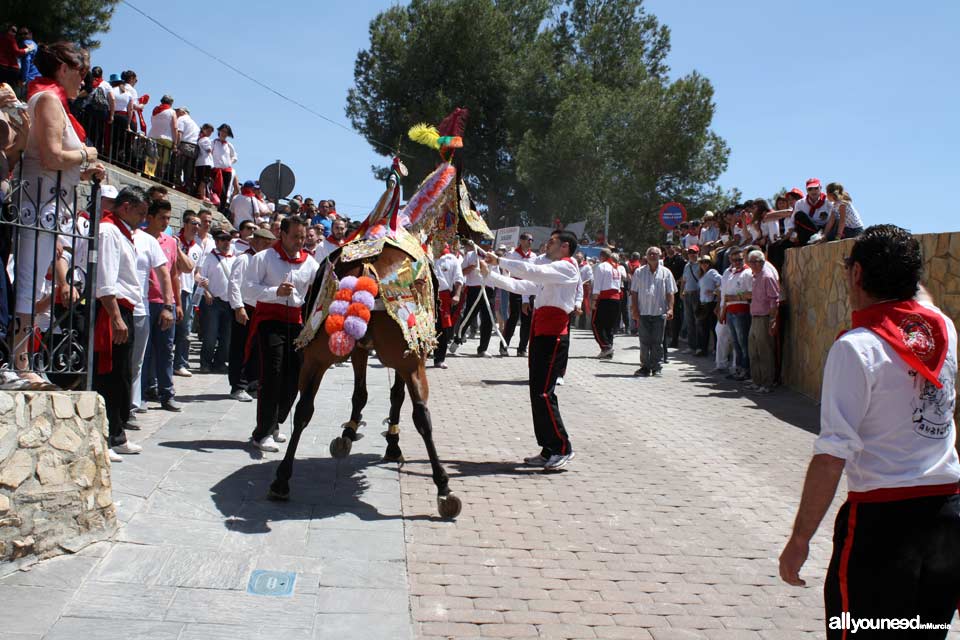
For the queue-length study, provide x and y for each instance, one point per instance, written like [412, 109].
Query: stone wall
[54, 474]
[816, 292]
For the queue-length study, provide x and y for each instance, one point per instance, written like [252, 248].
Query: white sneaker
[606, 353]
[483, 354]
[128, 448]
[183, 373]
[452, 348]
[279, 436]
[267, 444]
[535, 461]
[558, 461]
[763, 390]
[241, 395]
[560, 381]
[114, 456]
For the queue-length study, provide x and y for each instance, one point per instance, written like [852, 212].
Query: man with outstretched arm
[886, 417]
[555, 284]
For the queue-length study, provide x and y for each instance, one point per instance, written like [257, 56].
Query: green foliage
[53, 20]
[571, 108]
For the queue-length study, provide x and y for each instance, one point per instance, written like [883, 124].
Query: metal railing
[52, 263]
[159, 160]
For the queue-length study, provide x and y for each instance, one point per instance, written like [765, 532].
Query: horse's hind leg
[397, 395]
[448, 504]
[310, 377]
[340, 447]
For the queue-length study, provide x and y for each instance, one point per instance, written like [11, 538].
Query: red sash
[917, 333]
[550, 321]
[609, 294]
[448, 315]
[103, 337]
[267, 311]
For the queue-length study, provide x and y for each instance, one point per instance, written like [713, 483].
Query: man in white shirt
[338, 234]
[474, 306]
[246, 205]
[216, 319]
[736, 287]
[519, 305]
[118, 292]
[887, 418]
[191, 253]
[606, 302]
[242, 242]
[554, 285]
[652, 289]
[449, 286]
[189, 132]
[278, 280]
[149, 258]
[242, 372]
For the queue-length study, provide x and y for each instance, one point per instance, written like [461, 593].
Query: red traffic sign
[672, 214]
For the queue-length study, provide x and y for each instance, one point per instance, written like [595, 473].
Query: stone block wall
[55, 491]
[816, 290]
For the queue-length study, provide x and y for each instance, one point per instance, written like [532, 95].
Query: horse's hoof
[393, 457]
[340, 447]
[278, 496]
[449, 506]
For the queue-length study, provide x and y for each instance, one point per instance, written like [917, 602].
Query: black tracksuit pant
[547, 360]
[240, 373]
[896, 559]
[279, 374]
[116, 387]
[605, 320]
[516, 313]
[486, 322]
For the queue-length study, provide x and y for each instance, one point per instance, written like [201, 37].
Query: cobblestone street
[667, 525]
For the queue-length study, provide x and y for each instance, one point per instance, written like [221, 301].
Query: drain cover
[271, 583]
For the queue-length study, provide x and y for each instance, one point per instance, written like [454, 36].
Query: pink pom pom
[339, 307]
[355, 327]
[350, 282]
[365, 298]
[341, 344]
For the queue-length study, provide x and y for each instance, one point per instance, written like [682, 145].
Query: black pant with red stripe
[605, 321]
[895, 560]
[242, 372]
[279, 374]
[547, 360]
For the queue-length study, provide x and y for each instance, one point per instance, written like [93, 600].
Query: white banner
[508, 236]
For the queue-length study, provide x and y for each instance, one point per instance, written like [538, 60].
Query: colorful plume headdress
[445, 137]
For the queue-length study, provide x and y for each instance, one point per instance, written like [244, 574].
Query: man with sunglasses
[519, 305]
[192, 250]
[887, 418]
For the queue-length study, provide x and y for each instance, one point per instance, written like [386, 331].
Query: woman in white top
[844, 220]
[54, 150]
[224, 157]
[122, 113]
[203, 169]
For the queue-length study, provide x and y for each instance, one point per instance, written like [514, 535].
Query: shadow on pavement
[209, 446]
[464, 468]
[497, 383]
[319, 489]
[203, 397]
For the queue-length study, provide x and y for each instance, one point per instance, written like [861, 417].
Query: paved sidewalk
[195, 525]
[667, 524]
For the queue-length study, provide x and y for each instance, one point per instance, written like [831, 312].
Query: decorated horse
[377, 292]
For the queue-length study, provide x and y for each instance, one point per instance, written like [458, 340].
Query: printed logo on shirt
[933, 408]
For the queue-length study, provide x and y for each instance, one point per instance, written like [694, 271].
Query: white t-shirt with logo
[149, 257]
[892, 426]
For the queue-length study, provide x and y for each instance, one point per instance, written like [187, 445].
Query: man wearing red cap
[886, 417]
[813, 210]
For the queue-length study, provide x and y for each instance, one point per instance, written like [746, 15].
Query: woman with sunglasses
[55, 151]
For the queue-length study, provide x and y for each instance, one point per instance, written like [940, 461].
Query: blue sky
[865, 93]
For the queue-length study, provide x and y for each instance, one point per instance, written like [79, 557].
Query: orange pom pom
[360, 310]
[366, 283]
[333, 324]
[344, 294]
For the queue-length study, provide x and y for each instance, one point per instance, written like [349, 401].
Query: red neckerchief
[446, 250]
[819, 203]
[334, 241]
[97, 82]
[46, 84]
[614, 264]
[917, 333]
[299, 259]
[109, 218]
[247, 191]
[634, 265]
[522, 254]
[184, 242]
[160, 108]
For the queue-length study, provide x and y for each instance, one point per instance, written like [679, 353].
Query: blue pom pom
[350, 282]
[339, 307]
[365, 298]
[355, 327]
